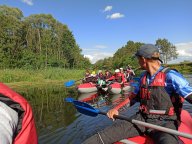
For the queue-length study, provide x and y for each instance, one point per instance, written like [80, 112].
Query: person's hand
[111, 113]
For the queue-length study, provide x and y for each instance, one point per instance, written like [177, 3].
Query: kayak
[116, 99]
[86, 88]
[114, 88]
[127, 87]
[185, 126]
[86, 97]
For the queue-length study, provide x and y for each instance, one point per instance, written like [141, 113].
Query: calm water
[58, 122]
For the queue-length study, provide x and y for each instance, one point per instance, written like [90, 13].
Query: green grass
[21, 77]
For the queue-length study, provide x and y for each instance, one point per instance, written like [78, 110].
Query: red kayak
[86, 97]
[114, 88]
[185, 126]
[86, 88]
[127, 87]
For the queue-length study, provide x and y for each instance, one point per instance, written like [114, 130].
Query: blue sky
[100, 27]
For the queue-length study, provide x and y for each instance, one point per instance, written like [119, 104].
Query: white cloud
[185, 52]
[107, 8]
[184, 49]
[29, 2]
[97, 53]
[115, 16]
[95, 56]
[89, 57]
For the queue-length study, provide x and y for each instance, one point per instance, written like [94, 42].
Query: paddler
[117, 77]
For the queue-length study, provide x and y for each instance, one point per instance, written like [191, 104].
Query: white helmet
[117, 70]
[99, 71]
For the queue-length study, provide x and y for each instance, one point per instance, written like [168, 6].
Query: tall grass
[43, 75]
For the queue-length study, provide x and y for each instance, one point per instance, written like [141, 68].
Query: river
[58, 122]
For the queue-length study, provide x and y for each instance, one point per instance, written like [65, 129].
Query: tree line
[124, 56]
[37, 41]
[40, 41]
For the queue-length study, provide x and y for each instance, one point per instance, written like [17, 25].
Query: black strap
[189, 98]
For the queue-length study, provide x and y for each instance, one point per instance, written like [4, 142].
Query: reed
[20, 77]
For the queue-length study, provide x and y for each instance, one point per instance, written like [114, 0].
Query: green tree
[11, 42]
[37, 41]
[168, 50]
[125, 55]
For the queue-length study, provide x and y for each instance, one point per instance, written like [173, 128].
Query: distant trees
[122, 57]
[37, 41]
[168, 50]
[125, 55]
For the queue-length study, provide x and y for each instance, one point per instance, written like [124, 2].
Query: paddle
[71, 82]
[134, 84]
[136, 78]
[86, 109]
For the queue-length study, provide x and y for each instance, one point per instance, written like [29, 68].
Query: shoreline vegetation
[21, 78]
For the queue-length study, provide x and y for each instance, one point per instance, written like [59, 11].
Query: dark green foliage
[122, 58]
[37, 41]
[167, 49]
[125, 55]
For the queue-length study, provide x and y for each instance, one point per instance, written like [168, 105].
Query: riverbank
[20, 78]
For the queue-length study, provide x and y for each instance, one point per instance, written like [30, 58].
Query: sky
[101, 27]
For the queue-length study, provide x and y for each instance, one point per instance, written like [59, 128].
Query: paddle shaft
[72, 82]
[78, 80]
[87, 109]
[83, 78]
[152, 126]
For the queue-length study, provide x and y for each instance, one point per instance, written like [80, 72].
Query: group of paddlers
[120, 75]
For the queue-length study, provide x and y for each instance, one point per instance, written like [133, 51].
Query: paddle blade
[69, 83]
[69, 99]
[134, 84]
[85, 108]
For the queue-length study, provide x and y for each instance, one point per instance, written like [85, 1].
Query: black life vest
[154, 100]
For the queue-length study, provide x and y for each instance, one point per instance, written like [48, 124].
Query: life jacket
[129, 72]
[26, 130]
[154, 100]
[108, 76]
[118, 77]
[100, 76]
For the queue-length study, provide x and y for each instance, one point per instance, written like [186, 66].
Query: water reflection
[50, 111]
